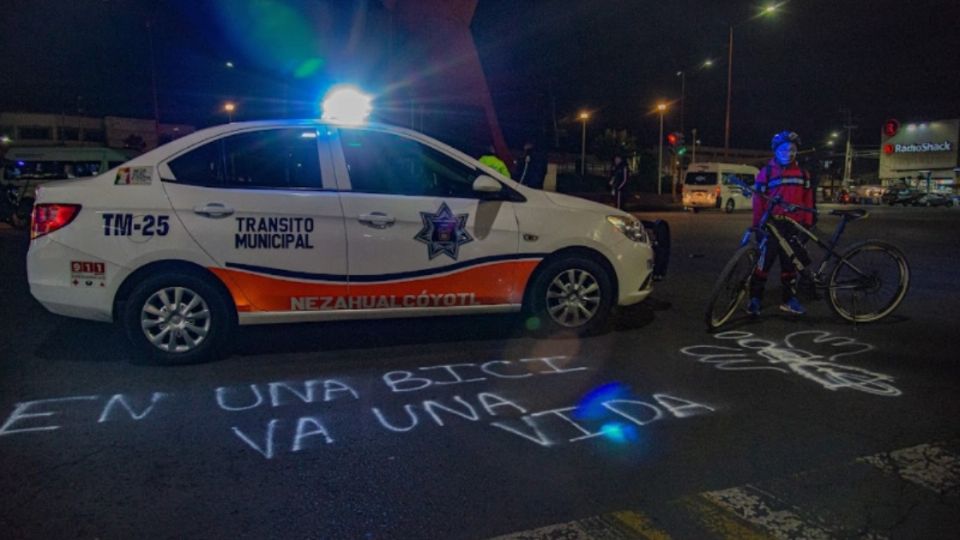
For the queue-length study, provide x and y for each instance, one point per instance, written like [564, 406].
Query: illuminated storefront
[920, 154]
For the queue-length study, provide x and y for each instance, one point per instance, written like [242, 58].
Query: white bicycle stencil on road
[812, 354]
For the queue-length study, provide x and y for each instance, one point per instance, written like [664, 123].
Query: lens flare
[347, 105]
[591, 408]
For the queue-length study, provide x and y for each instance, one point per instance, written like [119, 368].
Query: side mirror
[486, 184]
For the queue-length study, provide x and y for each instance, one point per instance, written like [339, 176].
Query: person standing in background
[618, 181]
[490, 159]
[532, 167]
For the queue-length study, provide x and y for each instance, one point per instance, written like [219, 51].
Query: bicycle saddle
[850, 215]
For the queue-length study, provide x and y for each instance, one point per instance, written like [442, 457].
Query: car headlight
[630, 227]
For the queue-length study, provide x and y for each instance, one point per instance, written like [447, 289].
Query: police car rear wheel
[573, 295]
[178, 319]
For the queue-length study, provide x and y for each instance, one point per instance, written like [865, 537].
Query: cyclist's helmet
[784, 137]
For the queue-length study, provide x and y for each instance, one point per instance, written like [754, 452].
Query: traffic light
[675, 140]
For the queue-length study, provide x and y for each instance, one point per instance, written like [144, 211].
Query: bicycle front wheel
[731, 286]
[869, 282]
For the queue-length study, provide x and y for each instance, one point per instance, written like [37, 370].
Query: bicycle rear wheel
[731, 286]
[869, 282]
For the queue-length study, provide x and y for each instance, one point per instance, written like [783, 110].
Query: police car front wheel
[178, 318]
[572, 294]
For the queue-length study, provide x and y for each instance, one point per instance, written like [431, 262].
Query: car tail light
[47, 218]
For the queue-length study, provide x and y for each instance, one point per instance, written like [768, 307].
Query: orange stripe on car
[488, 284]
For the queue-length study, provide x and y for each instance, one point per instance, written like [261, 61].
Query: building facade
[920, 154]
[136, 134]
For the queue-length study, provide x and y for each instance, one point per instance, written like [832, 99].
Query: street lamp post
[769, 10]
[229, 107]
[726, 124]
[584, 116]
[661, 107]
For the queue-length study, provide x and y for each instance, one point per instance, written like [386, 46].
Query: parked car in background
[901, 195]
[934, 199]
[867, 193]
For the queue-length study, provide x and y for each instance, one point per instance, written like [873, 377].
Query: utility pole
[848, 155]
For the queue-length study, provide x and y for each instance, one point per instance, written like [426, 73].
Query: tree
[612, 142]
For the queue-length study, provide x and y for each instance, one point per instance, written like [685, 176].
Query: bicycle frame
[764, 230]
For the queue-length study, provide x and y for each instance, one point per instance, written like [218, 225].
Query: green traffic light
[682, 150]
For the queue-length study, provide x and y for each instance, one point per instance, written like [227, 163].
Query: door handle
[377, 220]
[213, 210]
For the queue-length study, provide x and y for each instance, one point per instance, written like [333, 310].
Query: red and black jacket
[790, 182]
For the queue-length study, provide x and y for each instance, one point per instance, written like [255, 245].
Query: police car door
[418, 236]
[260, 202]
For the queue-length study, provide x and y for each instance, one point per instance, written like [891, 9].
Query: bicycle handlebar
[776, 200]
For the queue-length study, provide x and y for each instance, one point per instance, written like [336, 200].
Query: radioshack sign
[909, 149]
[945, 146]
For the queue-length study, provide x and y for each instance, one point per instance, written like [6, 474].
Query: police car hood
[577, 203]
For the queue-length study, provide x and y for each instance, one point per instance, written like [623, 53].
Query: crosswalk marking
[626, 525]
[754, 512]
[928, 465]
[766, 512]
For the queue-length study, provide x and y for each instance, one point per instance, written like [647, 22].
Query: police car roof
[201, 136]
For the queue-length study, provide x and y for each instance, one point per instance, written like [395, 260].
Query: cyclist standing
[781, 176]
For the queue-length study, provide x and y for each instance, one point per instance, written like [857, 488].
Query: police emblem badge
[443, 232]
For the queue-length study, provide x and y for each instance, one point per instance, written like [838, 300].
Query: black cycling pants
[788, 271]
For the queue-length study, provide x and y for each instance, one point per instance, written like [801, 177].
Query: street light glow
[707, 63]
[229, 107]
[661, 107]
[834, 135]
[229, 64]
[584, 116]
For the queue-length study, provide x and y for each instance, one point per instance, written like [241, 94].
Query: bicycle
[867, 282]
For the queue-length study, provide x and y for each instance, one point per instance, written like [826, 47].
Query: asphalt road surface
[781, 427]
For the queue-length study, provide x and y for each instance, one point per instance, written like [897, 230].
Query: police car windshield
[701, 179]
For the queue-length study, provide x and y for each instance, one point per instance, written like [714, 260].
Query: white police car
[291, 221]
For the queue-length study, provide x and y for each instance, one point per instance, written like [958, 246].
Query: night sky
[794, 70]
